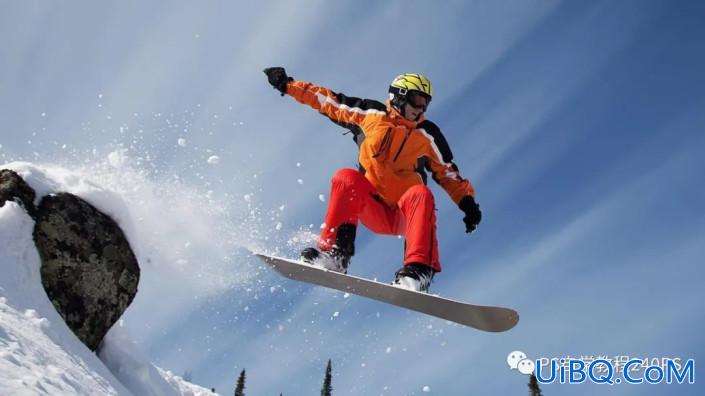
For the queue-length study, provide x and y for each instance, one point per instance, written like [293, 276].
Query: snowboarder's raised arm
[447, 175]
[341, 109]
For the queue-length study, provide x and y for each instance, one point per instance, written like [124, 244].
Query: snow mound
[32, 363]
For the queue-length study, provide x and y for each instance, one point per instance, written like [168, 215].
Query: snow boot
[414, 276]
[333, 260]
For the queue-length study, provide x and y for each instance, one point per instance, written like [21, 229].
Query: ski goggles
[418, 101]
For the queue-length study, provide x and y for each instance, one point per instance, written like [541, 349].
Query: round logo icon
[514, 358]
[526, 367]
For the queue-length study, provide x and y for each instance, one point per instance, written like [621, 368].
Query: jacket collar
[399, 119]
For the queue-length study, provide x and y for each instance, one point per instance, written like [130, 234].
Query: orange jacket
[394, 151]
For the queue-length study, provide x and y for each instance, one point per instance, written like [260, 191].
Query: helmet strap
[399, 98]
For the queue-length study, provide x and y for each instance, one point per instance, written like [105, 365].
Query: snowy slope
[39, 354]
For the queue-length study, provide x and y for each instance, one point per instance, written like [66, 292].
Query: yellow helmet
[408, 84]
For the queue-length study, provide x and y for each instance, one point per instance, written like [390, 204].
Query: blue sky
[579, 123]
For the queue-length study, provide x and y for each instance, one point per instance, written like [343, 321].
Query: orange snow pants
[354, 199]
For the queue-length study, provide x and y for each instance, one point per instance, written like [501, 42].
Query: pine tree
[240, 388]
[534, 389]
[327, 388]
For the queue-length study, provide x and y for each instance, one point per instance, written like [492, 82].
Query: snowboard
[486, 318]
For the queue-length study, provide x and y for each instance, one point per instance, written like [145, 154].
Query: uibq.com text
[615, 370]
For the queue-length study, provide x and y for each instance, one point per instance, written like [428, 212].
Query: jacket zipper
[402, 145]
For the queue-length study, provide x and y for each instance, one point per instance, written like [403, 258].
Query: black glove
[278, 78]
[472, 213]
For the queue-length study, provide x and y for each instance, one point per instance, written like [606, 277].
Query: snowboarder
[388, 193]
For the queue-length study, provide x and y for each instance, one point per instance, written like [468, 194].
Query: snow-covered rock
[39, 354]
[89, 270]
